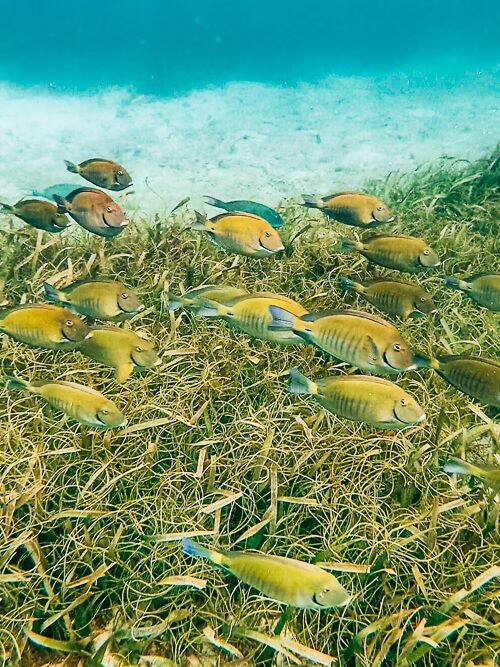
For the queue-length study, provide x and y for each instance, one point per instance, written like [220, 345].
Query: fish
[363, 340]
[62, 189]
[286, 580]
[218, 293]
[395, 297]
[103, 173]
[483, 288]
[489, 474]
[474, 376]
[39, 214]
[97, 298]
[81, 403]
[241, 233]
[245, 206]
[403, 253]
[94, 210]
[361, 398]
[352, 208]
[250, 313]
[121, 349]
[46, 326]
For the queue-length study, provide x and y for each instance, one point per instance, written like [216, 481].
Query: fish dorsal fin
[44, 306]
[95, 159]
[75, 385]
[346, 192]
[78, 191]
[234, 214]
[367, 378]
[481, 275]
[266, 295]
[372, 237]
[444, 358]
[312, 317]
[85, 281]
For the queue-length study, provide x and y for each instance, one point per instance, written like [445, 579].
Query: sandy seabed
[246, 140]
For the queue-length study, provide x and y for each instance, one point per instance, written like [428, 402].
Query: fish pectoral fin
[124, 371]
[373, 351]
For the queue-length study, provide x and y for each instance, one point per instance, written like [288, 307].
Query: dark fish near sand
[403, 253]
[94, 210]
[363, 340]
[39, 214]
[103, 173]
[483, 288]
[41, 325]
[61, 189]
[476, 377]
[292, 582]
[100, 299]
[245, 206]
[361, 398]
[191, 298]
[250, 313]
[241, 234]
[489, 474]
[121, 349]
[395, 297]
[85, 405]
[352, 208]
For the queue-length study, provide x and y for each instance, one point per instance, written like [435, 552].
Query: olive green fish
[42, 325]
[352, 208]
[250, 313]
[483, 288]
[241, 234]
[361, 398]
[403, 253]
[246, 206]
[103, 173]
[39, 214]
[84, 404]
[489, 474]
[287, 580]
[361, 339]
[476, 377]
[395, 297]
[120, 349]
[98, 298]
[218, 293]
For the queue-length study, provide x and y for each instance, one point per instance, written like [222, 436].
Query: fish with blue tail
[489, 474]
[483, 288]
[190, 298]
[286, 580]
[361, 398]
[245, 206]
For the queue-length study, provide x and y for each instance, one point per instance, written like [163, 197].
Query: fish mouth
[123, 223]
[412, 367]
[271, 252]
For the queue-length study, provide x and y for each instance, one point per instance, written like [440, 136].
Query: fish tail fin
[61, 203]
[17, 383]
[348, 284]
[454, 464]
[200, 222]
[299, 384]
[312, 202]
[192, 548]
[424, 361]
[455, 283]
[174, 301]
[72, 167]
[282, 319]
[50, 293]
[208, 308]
[348, 245]
[7, 208]
[214, 202]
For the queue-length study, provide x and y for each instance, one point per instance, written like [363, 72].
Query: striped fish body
[100, 299]
[363, 340]
[218, 293]
[250, 314]
[484, 289]
[478, 378]
[403, 253]
[370, 400]
[45, 326]
[397, 297]
[244, 234]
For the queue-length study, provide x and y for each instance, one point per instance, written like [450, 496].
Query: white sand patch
[246, 140]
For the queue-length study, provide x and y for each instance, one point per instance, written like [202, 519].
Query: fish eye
[125, 295]
[380, 208]
[397, 347]
[426, 251]
[120, 173]
[69, 323]
[109, 209]
[268, 234]
[139, 348]
[105, 411]
[423, 299]
[404, 401]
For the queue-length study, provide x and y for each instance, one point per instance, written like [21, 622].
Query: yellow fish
[41, 325]
[98, 298]
[403, 253]
[352, 208]
[219, 293]
[250, 313]
[121, 349]
[363, 340]
[84, 404]
[361, 398]
[483, 288]
[395, 297]
[241, 234]
[287, 580]
[489, 474]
